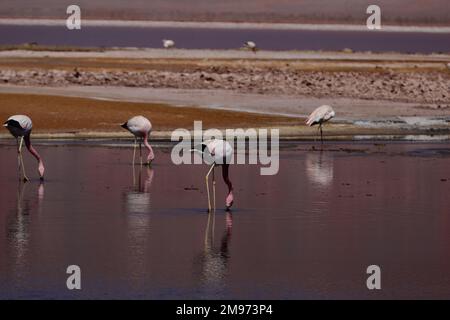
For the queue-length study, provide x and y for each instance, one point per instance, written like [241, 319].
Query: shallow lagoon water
[308, 232]
[216, 38]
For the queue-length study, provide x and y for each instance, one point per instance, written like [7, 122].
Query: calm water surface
[210, 38]
[308, 232]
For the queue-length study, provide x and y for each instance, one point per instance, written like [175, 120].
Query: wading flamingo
[20, 127]
[140, 127]
[250, 45]
[217, 152]
[168, 43]
[319, 116]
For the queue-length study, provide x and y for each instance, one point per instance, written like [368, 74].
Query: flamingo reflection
[213, 261]
[138, 208]
[19, 225]
[319, 168]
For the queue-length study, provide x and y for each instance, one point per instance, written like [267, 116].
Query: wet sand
[72, 117]
[56, 114]
[308, 232]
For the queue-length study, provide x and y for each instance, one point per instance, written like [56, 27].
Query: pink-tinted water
[308, 232]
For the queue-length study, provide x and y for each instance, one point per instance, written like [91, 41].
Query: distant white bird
[217, 152]
[168, 43]
[319, 116]
[251, 46]
[140, 127]
[20, 126]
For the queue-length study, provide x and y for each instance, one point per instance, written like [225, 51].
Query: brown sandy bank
[83, 118]
[56, 114]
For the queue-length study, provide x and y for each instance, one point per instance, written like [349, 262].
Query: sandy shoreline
[224, 25]
[72, 117]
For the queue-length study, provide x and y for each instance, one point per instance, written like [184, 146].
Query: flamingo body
[320, 115]
[139, 126]
[217, 151]
[19, 125]
[168, 43]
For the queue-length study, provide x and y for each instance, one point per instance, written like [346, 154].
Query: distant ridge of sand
[225, 25]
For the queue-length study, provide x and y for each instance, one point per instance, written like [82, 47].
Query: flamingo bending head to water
[217, 152]
[20, 127]
[250, 45]
[319, 116]
[140, 127]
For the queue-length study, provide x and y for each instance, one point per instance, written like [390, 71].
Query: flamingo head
[229, 200]
[150, 158]
[41, 170]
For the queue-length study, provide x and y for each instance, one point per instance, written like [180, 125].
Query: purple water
[308, 232]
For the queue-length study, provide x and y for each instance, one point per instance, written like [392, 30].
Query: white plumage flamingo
[20, 127]
[251, 46]
[168, 43]
[319, 116]
[140, 127]
[217, 152]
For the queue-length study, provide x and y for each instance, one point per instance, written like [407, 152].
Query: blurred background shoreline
[399, 12]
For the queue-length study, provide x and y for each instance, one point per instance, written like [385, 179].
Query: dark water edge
[308, 232]
[208, 38]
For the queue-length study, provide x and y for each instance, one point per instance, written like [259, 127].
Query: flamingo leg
[140, 151]
[321, 134]
[214, 189]
[25, 178]
[207, 186]
[19, 167]
[134, 150]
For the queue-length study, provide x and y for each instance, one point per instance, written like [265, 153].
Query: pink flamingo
[20, 127]
[140, 127]
[319, 116]
[217, 152]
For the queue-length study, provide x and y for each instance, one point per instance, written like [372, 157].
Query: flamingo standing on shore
[20, 127]
[319, 116]
[217, 152]
[140, 127]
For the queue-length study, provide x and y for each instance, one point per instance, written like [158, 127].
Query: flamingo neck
[151, 155]
[35, 154]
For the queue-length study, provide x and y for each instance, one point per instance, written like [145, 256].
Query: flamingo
[168, 43]
[319, 116]
[251, 46]
[217, 152]
[20, 127]
[140, 127]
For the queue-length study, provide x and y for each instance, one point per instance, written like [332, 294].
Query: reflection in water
[138, 208]
[319, 168]
[19, 226]
[138, 199]
[213, 262]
